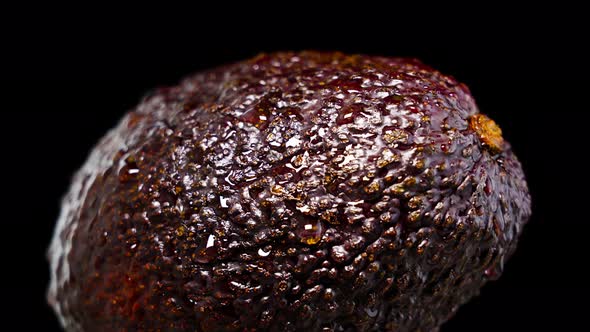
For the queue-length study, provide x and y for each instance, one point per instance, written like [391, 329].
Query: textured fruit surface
[290, 192]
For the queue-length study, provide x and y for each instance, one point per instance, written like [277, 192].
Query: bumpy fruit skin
[291, 192]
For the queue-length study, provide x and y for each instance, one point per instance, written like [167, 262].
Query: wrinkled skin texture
[290, 192]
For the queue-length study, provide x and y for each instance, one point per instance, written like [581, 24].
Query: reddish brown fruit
[291, 192]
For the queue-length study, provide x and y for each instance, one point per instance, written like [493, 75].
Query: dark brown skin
[290, 192]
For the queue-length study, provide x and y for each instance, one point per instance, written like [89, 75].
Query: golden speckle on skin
[414, 216]
[180, 231]
[372, 188]
[409, 181]
[312, 240]
[419, 164]
[398, 189]
[414, 202]
[277, 190]
[386, 158]
[395, 136]
[489, 132]
[373, 267]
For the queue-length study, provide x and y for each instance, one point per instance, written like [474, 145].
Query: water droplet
[223, 202]
[310, 232]
[293, 142]
[263, 253]
[129, 171]
[207, 251]
[348, 115]
[258, 117]
[210, 240]
[372, 312]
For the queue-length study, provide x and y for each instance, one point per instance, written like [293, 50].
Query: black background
[64, 83]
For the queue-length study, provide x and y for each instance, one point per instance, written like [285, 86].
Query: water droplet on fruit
[223, 202]
[207, 251]
[372, 312]
[258, 117]
[263, 253]
[210, 241]
[129, 171]
[310, 232]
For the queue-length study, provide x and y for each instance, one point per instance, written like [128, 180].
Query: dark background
[65, 83]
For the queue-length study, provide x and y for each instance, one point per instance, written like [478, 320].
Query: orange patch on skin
[488, 131]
